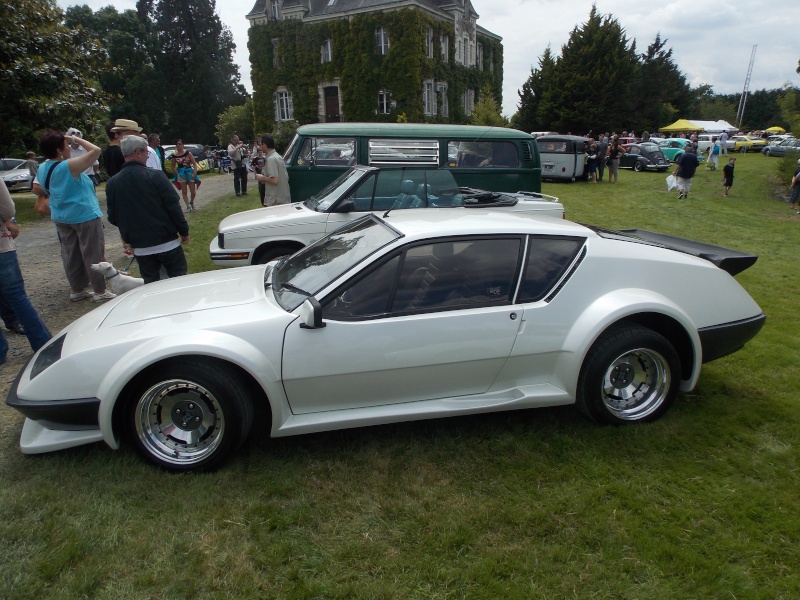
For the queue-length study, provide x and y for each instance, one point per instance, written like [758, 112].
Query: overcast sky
[711, 40]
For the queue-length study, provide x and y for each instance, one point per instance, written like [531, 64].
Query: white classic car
[261, 235]
[416, 315]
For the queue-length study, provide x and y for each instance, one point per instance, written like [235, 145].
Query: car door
[434, 320]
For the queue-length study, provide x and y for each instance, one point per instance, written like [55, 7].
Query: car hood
[187, 294]
[271, 216]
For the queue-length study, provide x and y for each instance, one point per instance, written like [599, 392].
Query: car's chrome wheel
[637, 166]
[635, 384]
[180, 421]
[189, 416]
[629, 375]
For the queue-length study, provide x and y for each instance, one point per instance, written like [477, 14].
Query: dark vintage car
[644, 157]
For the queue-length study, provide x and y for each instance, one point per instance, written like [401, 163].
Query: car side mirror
[311, 314]
[346, 206]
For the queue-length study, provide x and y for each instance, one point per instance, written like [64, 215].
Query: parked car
[744, 143]
[261, 235]
[704, 141]
[786, 146]
[16, 175]
[644, 157]
[413, 315]
[672, 148]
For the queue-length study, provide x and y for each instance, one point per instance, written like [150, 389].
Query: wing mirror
[346, 206]
[311, 314]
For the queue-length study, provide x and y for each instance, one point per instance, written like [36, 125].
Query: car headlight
[48, 357]
[20, 177]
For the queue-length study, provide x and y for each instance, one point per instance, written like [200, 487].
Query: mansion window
[326, 51]
[428, 97]
[444, 109]
[479, 55]
[283, 106]
[429, 43]
[384, 102]
[275, 62]
[445, 43]
[468, 99]
[467, 54]
[275, 9]
[381, 40]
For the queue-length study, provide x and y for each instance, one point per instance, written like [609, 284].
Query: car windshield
[310, 270]
[324, 199]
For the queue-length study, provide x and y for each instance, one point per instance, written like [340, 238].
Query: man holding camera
[237, 151]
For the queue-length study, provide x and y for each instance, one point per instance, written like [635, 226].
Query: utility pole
[743, 99]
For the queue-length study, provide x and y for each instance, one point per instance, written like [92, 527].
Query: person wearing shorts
[727, 176]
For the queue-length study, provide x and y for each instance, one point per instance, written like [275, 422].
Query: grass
[529, 504]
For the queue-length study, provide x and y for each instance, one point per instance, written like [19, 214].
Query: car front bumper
[228, 257]
[55, 424]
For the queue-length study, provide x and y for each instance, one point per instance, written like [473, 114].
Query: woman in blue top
[68, 196]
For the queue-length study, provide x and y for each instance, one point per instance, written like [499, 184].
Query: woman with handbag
[66, 193]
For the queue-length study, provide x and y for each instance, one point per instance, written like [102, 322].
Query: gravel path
[40, 260]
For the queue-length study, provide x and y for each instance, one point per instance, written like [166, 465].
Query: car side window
[457, 274]
[368, 297]
[446, 275]
[548, 258]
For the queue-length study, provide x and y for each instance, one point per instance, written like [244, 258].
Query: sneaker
[16, 328]
[192, 205]
[77, 296]
[237, 195]
[680, 195]
[107, 295]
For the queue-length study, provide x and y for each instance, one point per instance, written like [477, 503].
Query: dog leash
[133, 258]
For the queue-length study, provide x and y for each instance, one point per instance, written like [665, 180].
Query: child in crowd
[727, 176]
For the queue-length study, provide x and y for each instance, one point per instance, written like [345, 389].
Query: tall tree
[47, 74]
[195, 65]
[534, 113]
[597, 65]
[659, 91]
[131, 80]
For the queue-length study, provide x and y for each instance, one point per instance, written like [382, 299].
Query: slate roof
[331, 7]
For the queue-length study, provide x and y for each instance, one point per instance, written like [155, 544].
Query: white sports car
[416, 315]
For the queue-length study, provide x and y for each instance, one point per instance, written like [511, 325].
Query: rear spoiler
[732, 261]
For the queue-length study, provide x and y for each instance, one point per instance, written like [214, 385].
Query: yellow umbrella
[776, 129]
[682, 125]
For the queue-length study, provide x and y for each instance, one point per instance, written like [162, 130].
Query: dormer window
[275, 9]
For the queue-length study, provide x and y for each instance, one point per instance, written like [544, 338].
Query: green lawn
[531, 504]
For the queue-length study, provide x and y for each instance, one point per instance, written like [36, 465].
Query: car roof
[443, 222]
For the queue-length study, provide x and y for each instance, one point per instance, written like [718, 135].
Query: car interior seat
[406, 197]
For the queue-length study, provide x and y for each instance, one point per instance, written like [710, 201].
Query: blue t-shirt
[72, 200]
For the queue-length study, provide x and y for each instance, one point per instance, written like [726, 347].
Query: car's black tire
[638, 167]
[266, 255]
[766, 152]
[188, 415]
[631, 374]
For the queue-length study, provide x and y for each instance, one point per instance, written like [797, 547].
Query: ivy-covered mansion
[370, 60]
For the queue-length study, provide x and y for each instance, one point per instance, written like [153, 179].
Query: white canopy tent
[715, 126]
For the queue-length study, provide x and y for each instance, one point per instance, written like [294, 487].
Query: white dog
[118, 282]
